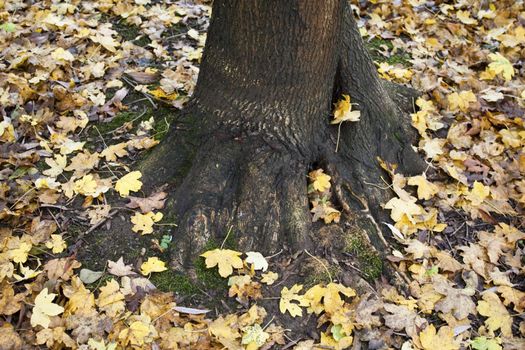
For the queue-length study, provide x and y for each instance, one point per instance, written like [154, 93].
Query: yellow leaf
[289, 295]
[20, 253]
[478, 193]
[159, 93]
[57, 244]
[327, 298]
[144, 222]
[81, 300]
[129, 183]
[57, 165]
[114, 151]
[44, 307]
[443, 340]
[400, 207]
[106, 41]
[501, 65]
[321, 181]
[226, 259]
[269, 278]
[343, 111]
[86, 185]
[464, 17]
[62, 55]
[461, 101]
[425, 188]
[110, 299]
[152, 265]
[139, 332]
[497, 315]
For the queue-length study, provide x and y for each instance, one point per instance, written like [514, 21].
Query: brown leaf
[153, 202]
[144, 77]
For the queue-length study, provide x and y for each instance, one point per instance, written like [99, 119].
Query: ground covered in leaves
[86, 86]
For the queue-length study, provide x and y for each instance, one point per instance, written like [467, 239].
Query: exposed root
[243, 183]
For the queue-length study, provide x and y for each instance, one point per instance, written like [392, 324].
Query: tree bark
[270, 72]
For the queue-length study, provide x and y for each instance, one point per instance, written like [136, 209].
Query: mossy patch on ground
[368, 260]
[383, 50]
[169, 281]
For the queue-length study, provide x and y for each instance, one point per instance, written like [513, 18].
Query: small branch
[227, 235]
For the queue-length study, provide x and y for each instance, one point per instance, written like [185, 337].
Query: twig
[227, 235]
[144, 93]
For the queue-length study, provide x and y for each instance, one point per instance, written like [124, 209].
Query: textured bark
[269, 75]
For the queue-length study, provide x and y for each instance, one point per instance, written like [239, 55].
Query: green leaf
[8, 27]
[482, 343]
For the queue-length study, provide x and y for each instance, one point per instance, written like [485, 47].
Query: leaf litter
[67, 67]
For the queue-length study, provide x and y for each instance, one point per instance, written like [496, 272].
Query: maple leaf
[155, 201]
[106, 41]
[457, 301]
[443, 339]
[464, 17]
[254, 336]
[83, 163]
[44, 307]
[513, 296]
[62, 55]
[226, 259]
[129, 183]
[153, 264]
[114, 151]
[497, 315]
[425, 188]
[501, 65]
[484, 343]
[19, 253]
[57, 165]
[81, 300]
[225, 330]
[139, 332]
[269, 278]
[56, 244]
[144, 222]
[289, 295]
[461, 101]
[401, 317]
[478, 193]
[257, 260]
[110, 299]
[119, 268]
[9, 302]
[401, 207]
[320, 180]
[343, 112]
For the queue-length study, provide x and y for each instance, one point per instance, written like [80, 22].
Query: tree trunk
[270, 74]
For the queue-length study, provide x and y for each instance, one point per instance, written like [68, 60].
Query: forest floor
[88, 87]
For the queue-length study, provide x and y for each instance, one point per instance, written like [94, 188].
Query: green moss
[369, 261]
[130, 32]
[115, 123]
[168, 281]
[377, 46]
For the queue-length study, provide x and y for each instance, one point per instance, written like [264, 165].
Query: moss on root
[210, 278]
[377, 46]
[367, 258]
